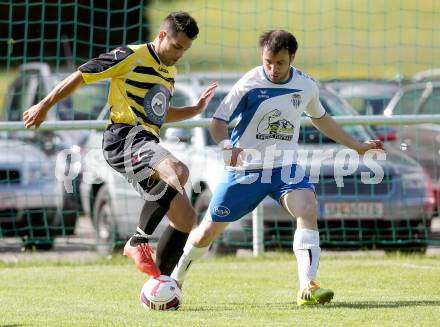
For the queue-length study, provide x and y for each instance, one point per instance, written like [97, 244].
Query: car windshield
[87, 102]
[369, 106]
[335, 107]
[408, 101]
[367, 97]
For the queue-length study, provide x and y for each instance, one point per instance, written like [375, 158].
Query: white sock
[307, 252]
[190, 254]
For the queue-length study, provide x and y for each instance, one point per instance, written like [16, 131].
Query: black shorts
[135, 153]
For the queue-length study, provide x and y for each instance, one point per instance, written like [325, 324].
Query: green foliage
[376, 39]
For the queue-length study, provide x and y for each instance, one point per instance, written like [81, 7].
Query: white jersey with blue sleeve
[268, 116]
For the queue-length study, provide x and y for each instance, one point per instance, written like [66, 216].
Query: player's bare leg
[197, 245]
[303, 205]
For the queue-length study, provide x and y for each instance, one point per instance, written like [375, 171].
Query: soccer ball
[161, 293]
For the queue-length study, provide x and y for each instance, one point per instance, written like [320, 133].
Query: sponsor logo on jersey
[221, 211]
[273, 126]
[163, 70]
[263, 95]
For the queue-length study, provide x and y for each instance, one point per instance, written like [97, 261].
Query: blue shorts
[240, 192]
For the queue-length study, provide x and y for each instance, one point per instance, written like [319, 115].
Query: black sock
[153, 211]
[170, 249]
[151, 215]
[138, 239]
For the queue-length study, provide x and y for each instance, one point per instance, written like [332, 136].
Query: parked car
[388, 98]
[34, 81]
[28, 194]
[368, 97]
[403, 197]
[420, 141]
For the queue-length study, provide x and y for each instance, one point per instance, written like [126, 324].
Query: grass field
[370, 291]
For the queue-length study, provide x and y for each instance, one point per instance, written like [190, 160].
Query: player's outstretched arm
[219, 133]
[329, 127]
[182, 113]
[36, 114]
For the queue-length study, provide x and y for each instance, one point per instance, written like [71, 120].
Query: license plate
[344, 210]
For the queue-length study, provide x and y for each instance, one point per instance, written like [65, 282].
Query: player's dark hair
[180, 21]
[276, 40]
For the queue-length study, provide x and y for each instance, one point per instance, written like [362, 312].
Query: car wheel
[104, 221]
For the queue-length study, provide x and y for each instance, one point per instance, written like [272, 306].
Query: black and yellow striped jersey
[134, 70]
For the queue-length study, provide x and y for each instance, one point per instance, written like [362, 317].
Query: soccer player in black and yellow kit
[142, 80]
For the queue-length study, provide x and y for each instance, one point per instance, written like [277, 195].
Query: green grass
[336, 38]
[370, 291]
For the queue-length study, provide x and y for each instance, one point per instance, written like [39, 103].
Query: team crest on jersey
[296, 100]
[273, 126]
[156, 104]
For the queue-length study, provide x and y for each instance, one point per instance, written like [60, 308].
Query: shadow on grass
[382, 304]
[292, 305]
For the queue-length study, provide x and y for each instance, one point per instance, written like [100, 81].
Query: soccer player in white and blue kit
[268, 102]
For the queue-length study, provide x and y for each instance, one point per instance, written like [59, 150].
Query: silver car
[28, 194]
[422, 141]
[368, 97]
[389, 98]
[33, 82]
